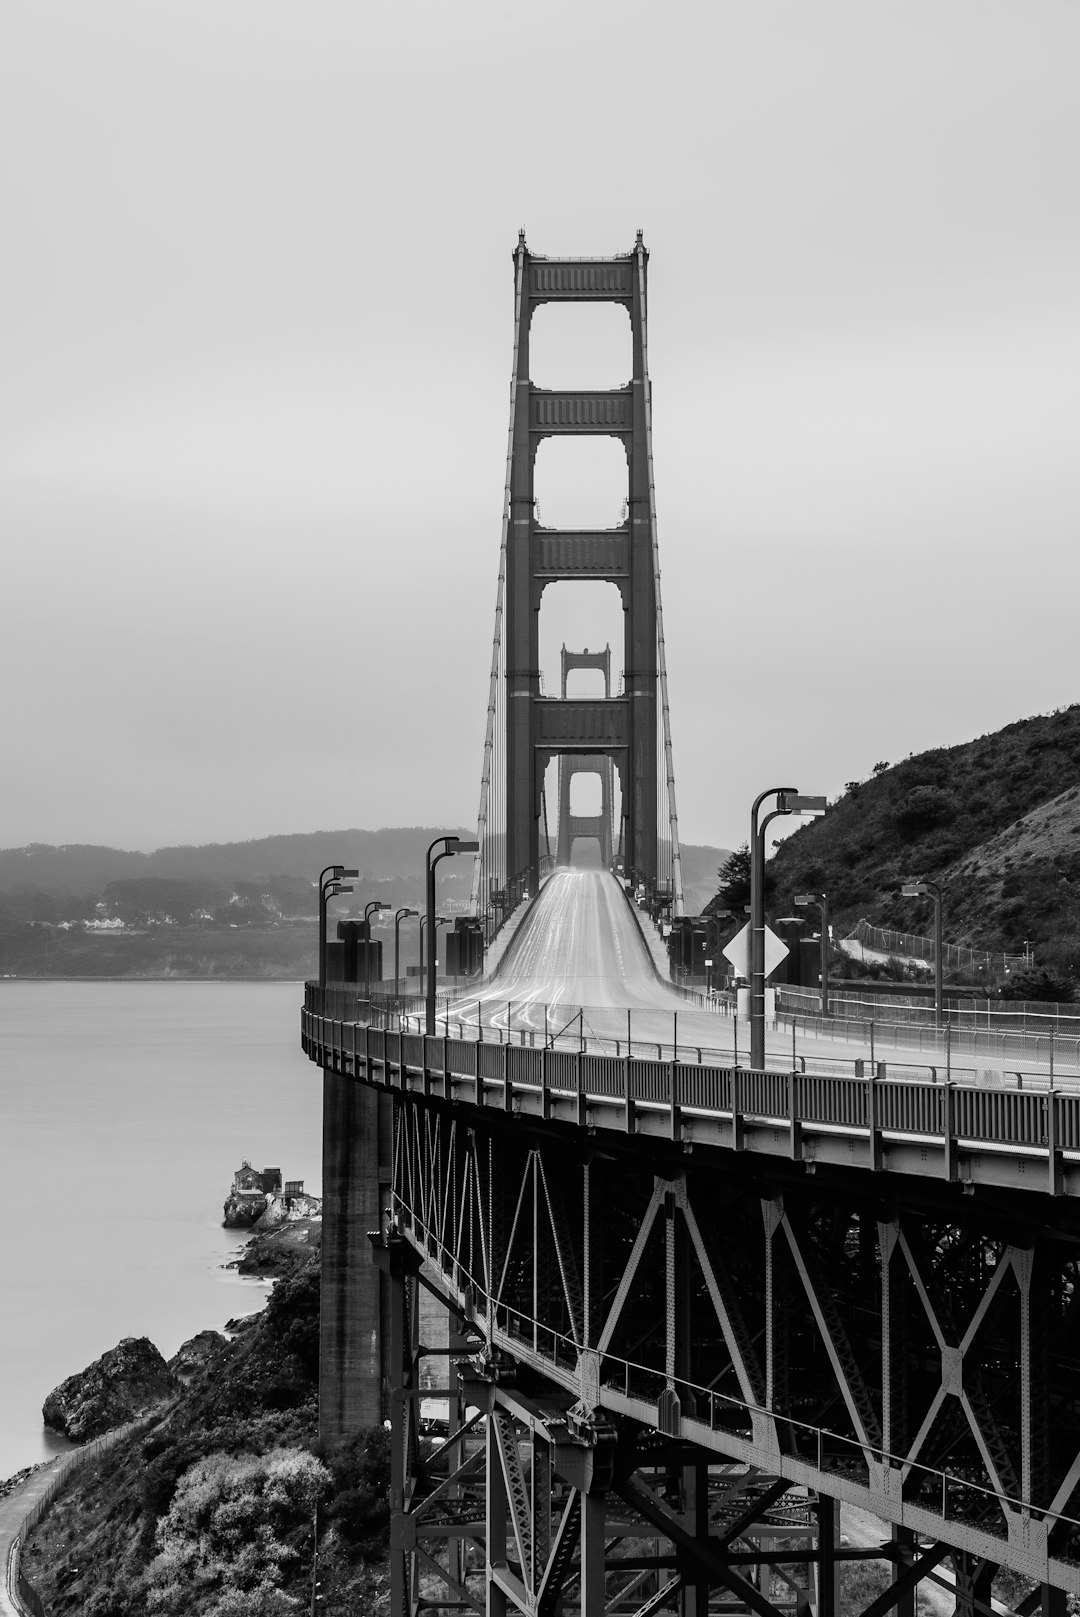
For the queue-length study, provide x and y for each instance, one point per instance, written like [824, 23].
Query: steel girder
[915, 1358]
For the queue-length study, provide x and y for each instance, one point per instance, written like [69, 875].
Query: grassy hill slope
[995, 821]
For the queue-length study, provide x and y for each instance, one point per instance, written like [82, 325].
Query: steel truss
[640, 1337]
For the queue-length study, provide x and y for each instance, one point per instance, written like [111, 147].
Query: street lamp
[930, 889]
[788, 801]
[440, 920]
[328, 876]
[449, 846]
[369, 911]
[822, 901]
[401, 915]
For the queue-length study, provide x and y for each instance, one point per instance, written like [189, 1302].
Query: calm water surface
[124, 1109]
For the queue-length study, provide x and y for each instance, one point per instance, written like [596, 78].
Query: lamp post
[931, 889]
[440, 920]
[400, 915]
[329, 875]
[449, 846]
[788, 801]
[369, 910]
[822, 901]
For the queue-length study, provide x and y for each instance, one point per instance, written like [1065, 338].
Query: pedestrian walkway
[13, 1512]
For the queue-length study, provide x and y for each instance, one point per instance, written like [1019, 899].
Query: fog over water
[124, 1109]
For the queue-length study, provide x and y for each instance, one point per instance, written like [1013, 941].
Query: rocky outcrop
[278, 1250]
[127, 1381]
[287, 1210]
[242, 1211]
[192, 1357]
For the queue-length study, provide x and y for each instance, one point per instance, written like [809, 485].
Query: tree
[735, 879]
[1038, 982]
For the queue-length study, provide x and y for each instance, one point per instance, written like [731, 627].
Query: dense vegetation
[996, 822]
[211, 1513]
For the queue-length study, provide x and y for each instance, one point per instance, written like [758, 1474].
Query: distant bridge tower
[526, 729]
[598, 826]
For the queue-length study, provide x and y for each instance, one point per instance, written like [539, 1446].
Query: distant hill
[231, 909]
[79, 868]
[996, 821]
[701, 865]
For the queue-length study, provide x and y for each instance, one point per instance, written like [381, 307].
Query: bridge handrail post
[738, 1127]
[545, 1092]
[873, 1113]
[631, 1119]
[673, 1098]
[508, 1088]
[1053, 1143]
[795, 1143]
[948, 1099]
[582, 1109]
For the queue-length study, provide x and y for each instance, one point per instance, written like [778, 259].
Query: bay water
[125, 1108]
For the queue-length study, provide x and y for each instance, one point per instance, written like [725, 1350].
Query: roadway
[579, 967]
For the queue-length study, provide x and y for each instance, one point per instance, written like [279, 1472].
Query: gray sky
[256, 330]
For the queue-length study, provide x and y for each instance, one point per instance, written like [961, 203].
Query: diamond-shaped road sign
[738, 951]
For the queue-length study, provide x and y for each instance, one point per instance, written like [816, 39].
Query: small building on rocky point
[249, 1181]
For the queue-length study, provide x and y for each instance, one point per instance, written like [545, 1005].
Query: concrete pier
[357, 1155]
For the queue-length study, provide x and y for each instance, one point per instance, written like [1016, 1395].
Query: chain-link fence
[955, 956]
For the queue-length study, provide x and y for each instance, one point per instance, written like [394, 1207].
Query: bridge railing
[1038, 1123]
[928, 1054]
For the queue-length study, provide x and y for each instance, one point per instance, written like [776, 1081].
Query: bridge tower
[572, 826]
[526, 729]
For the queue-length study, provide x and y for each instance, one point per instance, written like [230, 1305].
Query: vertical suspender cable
[669, 769]
[487, 836]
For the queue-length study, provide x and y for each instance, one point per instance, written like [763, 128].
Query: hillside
[78, 868]
[211, 1511]
[226, 910]
[996, 821]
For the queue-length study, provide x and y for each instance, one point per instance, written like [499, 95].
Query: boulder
[125, 1382]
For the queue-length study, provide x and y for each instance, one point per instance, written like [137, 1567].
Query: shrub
[1040, 983]
[922, 808]
[361, 1509]
[223, 1546]
[292, 1316]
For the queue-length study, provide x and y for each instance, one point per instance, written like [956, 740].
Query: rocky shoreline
[133, 1378]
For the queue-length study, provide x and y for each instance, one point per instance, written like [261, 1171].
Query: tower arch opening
[586, 345]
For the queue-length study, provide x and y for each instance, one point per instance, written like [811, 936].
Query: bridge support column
[353, 1321]
[974, 1578]
[827, 1590]
[593, 1563]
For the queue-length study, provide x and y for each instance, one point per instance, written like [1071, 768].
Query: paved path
[13, 1511]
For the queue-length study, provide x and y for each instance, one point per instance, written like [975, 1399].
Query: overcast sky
[256, 338]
